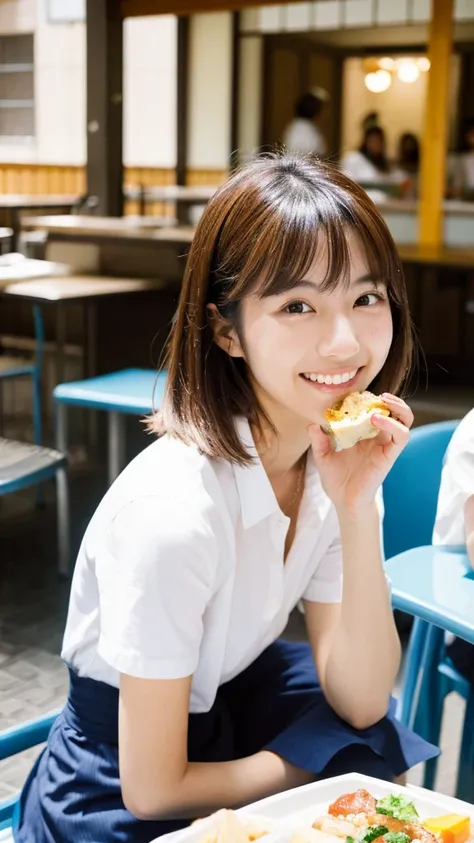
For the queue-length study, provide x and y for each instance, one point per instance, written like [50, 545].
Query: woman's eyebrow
[368, 278]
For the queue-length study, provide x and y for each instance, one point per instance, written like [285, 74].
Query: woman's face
[305, 348]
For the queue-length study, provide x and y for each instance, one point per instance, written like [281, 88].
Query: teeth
[331, 379]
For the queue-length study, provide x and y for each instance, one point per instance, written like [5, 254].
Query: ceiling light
[424, 64]
[378, 82]
[408, 71]
[387, 63]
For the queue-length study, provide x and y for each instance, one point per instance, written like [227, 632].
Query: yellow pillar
[435, 135]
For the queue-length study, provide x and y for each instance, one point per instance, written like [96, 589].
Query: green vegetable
[398, 807]
[397, 837]
[350, 840]
[372, 833]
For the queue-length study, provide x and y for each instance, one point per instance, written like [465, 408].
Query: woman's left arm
[355, 643]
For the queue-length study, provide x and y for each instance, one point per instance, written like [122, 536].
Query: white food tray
[300, 807]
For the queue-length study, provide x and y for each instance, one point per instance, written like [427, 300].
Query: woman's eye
[368, 300]
[298, 307]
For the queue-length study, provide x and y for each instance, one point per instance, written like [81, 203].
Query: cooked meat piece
[353, 803]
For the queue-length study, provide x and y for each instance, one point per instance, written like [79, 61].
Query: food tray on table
[289, 817]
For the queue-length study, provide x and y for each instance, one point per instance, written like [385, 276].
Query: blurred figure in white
[370, 166]
[303, 134]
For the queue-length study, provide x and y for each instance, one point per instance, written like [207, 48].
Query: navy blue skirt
[73, 791]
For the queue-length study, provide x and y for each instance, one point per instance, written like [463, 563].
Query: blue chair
[15, 367]
[411, 495]
[127, 392]
[12, 742]
[23, 465]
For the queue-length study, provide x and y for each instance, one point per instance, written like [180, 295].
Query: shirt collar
[257, 498]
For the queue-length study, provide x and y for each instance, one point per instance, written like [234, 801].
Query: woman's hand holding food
[352, 477]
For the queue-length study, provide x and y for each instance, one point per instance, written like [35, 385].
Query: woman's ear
[225, 336]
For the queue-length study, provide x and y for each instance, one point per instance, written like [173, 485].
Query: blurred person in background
[408, 163]
[369, 165]
[303, 134]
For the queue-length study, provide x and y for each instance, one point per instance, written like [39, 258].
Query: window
[17, 113]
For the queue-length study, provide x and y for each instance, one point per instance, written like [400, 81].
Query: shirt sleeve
[326, 584]
[155, 567]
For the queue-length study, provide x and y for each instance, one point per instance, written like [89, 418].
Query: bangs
[302, 224]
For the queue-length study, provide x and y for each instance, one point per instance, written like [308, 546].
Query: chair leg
[429, 714]
[407, 703]
[116, 444]
[62, 487]
[64, 552]
[465, 779]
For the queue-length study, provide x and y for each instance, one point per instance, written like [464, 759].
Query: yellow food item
[349, 420]
[450, 828]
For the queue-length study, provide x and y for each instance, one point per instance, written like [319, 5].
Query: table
[84, 289]
[111, 229]
[182, 196]
[435, 584]
[16, 203]
[438, 258]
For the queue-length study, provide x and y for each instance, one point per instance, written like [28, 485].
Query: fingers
[398, 432]
[320, 441]
[399, 409]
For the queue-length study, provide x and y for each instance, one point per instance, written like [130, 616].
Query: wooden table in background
[13, 205]
[181, 196]
[111, 229]
[77, 289]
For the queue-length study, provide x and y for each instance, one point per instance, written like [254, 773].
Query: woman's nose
[339, 340]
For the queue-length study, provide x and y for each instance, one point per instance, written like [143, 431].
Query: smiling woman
[182, 697]
[292, 238]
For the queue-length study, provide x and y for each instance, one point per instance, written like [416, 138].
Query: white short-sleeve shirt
[304, 136]
[457, 485]
[181, 570]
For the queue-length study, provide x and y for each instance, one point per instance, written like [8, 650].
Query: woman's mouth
[332, 382]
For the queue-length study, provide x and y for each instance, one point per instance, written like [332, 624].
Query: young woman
[369, 164]
[183, 698]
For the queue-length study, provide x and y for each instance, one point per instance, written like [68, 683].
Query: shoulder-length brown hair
[260, 233]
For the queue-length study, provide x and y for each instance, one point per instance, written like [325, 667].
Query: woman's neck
[282, 450]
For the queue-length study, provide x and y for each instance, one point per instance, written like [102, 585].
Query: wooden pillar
[435, 136]
[182, 88]
[104, 105]
[234, 117]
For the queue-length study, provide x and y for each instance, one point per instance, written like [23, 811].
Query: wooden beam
[182, 89]
[131, 8]
[435, 134]
[104, 106]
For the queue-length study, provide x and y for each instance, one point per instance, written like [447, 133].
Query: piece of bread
[349, 420]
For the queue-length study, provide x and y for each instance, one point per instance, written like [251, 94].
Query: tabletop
[436, 255]
[435, 584]
[116, 228]
[46, 200]
[198, 194]
[79, 287]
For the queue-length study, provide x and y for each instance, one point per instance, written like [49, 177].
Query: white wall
[150, 58]
[60, 89]
[60, 93]
[210, 90]
[17, 16]
[250, 93]
[400, 109]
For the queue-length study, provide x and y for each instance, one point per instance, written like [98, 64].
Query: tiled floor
[33, 606]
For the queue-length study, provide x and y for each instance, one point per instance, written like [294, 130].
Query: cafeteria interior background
[99, 111]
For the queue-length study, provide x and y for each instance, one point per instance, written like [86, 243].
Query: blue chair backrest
[411, 489]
